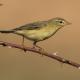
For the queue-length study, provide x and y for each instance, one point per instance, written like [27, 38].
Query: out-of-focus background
[15, 64]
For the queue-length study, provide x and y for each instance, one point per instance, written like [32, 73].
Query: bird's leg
[23, 42]
[36, 46]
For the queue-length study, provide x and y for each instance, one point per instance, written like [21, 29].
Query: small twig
[53, 56]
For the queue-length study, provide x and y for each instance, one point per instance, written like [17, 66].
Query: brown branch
[53, 56]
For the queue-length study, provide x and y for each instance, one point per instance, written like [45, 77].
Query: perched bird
[39, 31]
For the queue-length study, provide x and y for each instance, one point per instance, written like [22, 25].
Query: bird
[39, 30]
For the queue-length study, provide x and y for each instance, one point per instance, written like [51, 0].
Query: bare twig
[53, 56]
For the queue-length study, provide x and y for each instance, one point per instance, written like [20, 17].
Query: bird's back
[32, 26]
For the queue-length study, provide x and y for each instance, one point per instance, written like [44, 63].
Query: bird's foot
[38, 48]
[24, 48]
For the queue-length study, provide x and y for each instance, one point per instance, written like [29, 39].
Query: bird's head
[59, 22]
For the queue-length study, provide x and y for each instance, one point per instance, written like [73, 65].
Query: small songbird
[39, 31]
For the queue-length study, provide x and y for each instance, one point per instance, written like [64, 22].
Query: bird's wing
[32, 26]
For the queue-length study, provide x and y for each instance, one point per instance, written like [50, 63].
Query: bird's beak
[69, 23]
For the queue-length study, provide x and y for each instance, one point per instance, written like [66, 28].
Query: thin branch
[53, 56]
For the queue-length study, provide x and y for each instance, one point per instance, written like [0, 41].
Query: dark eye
[61, 21]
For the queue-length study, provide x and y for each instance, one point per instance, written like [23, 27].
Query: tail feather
[5, 31]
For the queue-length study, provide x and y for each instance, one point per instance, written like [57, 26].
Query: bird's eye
[61, 21]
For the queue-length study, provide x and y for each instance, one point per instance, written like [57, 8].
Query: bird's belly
[38, 35]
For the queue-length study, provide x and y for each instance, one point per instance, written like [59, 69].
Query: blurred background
[17, 65]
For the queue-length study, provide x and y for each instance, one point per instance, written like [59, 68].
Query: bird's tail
[6, 31]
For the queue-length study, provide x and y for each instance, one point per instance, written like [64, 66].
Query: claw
[37, 47]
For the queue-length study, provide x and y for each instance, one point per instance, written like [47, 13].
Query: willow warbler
[39, 31]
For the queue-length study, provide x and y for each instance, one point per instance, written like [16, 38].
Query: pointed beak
[69, 23]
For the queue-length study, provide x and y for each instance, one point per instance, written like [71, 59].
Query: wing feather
[32, 26]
